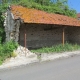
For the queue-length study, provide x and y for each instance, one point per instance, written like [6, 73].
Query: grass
[58, 48]
[6, 50]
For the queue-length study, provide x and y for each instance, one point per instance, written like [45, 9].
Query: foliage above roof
[51, 6]
[78, 15]
[37, 16]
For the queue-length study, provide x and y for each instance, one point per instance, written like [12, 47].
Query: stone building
[34, 28]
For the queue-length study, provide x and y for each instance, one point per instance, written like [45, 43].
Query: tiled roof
[78, 15]
[37, 16]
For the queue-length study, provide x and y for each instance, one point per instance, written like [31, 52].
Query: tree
[2, 32]
[1, 27]
[8, 1]
[42, 2]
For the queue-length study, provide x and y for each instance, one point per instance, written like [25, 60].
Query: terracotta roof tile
[37, 16]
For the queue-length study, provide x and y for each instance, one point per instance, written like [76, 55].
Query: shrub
[58, 48]
[6, 50]
[13, 54]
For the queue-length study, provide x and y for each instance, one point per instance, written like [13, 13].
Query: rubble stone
[24, 56]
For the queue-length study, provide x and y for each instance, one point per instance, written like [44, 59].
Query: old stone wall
[74, 35]
[39, 35]
[11, 26]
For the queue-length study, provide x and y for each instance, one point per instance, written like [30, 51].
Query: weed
[58, 48]
[6, 50]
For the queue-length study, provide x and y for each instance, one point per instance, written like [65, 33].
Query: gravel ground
[24, 57]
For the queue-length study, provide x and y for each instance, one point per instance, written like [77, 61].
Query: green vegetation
[51, 6]
[58, 48]
[2, 32]
[6, 50]
[1, 27]
[14, 54]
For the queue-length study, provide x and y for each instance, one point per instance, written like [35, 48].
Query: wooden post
[25, 41]
[63, 37]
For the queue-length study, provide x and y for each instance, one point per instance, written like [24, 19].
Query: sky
[74, 4]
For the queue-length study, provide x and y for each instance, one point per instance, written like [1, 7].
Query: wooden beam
[25, 42]
[63, 36]
[25, 39]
